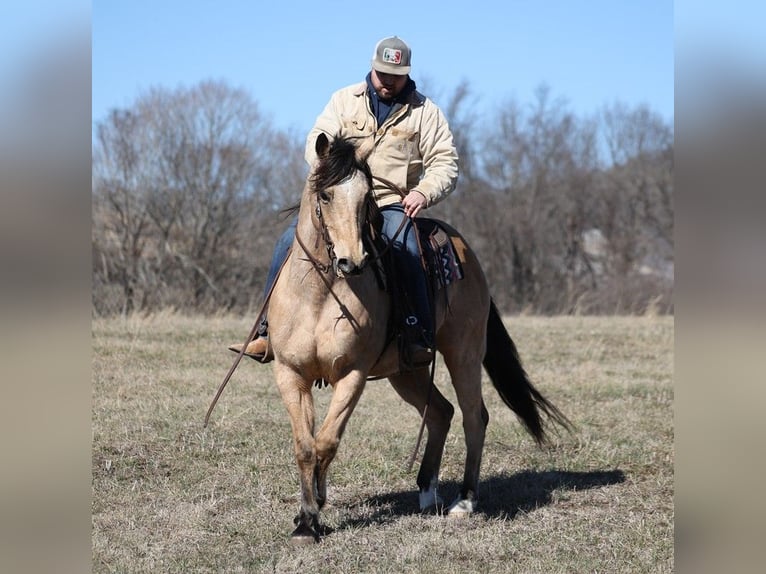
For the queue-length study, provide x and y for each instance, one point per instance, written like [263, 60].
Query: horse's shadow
[501, 495]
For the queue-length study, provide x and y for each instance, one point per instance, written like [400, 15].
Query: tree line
[567, 214]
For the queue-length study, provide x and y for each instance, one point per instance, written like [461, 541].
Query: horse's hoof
[303, 535]
[461, 508]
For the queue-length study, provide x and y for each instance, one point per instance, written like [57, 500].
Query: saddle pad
[444, 260]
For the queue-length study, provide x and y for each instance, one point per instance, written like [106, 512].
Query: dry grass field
[170, 496]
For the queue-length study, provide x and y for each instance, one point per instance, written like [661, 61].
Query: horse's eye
[324, 197]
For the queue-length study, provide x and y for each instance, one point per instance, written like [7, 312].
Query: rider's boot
[258, 349]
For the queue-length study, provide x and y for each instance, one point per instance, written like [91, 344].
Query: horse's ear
[322, 145]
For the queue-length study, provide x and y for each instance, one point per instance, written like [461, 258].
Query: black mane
[339, 163]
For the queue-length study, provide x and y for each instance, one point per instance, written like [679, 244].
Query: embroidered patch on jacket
[392, 56]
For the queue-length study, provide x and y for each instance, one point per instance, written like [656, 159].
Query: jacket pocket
[355, 126]
[402, 145]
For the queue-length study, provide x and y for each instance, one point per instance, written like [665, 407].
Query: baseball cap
[392, 56]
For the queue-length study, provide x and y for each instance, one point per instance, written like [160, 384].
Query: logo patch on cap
[392, 56]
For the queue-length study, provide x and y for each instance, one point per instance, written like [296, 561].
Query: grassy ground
[170, 496]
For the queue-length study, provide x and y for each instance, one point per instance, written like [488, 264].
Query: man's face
[387, 85]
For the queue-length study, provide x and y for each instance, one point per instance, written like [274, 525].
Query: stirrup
[258, 349]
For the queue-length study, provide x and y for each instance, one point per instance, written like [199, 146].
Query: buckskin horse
[328, 318]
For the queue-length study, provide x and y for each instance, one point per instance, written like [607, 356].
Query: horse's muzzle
[344, 267]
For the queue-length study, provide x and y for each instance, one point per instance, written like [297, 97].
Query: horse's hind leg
[466, 378]
[414, 387]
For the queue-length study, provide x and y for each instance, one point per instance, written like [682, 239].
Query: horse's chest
[328, 336]
[336, 334]
[332, 345]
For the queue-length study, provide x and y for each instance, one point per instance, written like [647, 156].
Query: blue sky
[291, 55]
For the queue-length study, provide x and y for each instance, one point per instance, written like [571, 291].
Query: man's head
[390, 66]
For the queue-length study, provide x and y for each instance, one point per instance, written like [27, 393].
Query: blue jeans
[281, 249]
[280, 254]
[406, 259]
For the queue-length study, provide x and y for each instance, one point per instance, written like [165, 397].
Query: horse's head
[340, 184]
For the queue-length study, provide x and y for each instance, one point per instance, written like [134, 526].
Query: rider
[413, 148]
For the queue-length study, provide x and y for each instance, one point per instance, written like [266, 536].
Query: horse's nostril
[345, 265]
[348, 267]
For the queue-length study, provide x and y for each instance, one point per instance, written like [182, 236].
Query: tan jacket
[413, 148]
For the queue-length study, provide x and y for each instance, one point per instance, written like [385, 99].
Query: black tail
[512, 383]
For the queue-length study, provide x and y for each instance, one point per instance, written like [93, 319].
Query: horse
[327, 320]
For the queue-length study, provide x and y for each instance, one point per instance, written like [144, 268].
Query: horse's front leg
[297, 397]
[346, 394]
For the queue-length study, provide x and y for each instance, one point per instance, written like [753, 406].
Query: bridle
[324, 234]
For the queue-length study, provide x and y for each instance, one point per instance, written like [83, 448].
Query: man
[413, 148]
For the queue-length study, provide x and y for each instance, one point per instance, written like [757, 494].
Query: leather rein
[323, 270]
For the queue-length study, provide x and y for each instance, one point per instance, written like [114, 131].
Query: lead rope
[391, 185]
[423, 419]
[433, 371]
[321, 268]
[259, 318]
[241, 354]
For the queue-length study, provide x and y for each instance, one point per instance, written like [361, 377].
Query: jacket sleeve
[440, 160]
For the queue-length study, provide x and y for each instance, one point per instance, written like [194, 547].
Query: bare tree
[567, 214]
[636, 198]
[187, 182]
[121, 218]
[540, 164]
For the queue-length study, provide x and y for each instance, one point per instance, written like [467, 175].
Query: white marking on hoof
[429, 497]
[461, 508]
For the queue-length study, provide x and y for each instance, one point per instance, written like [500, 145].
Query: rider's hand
[413, 203]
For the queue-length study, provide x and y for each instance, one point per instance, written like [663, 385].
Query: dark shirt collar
[401, 98]
[382, 108]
